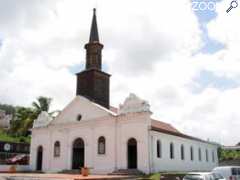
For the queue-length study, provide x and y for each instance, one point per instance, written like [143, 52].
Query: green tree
[42, 104]
[24, 117]
[229, 155]
[18, 126]
[9, 109]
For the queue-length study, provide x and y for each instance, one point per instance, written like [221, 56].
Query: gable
[81, 106]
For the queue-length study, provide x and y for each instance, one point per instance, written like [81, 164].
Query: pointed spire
[94, 29]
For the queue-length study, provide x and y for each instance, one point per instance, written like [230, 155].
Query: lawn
[155, 176]
[5, 137]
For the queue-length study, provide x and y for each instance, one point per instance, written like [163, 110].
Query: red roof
[113, 109]
[166, 128]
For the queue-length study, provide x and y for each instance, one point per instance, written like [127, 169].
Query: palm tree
[24, 117]
[19, 125]
[42, 104]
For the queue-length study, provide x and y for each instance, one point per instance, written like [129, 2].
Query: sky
[183, 60]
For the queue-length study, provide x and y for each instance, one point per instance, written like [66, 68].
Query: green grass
[5, 137]
[155, 176]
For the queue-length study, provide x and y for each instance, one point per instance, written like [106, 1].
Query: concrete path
[32, 176]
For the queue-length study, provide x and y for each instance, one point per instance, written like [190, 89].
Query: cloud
[215, 113]
[143, 36]
[17, 16]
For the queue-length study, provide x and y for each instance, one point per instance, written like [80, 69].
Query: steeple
[94, 47]
[93, 83]
[94, 30]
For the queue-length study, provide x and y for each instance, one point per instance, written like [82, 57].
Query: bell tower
[93, 83]
[94, 47]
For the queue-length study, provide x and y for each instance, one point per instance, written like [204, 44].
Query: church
[89, 132]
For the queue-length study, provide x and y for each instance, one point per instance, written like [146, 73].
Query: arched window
[101, 145]
[191, 153]
[159, 149]
[206, 155]
[79, 117]
[57, 149]
[182, 152]
[199, 154]
[39, 158]
[213, 156]
[171, 151]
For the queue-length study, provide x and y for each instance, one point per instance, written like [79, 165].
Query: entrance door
[132, 153]
[78, 154]
[39, 158]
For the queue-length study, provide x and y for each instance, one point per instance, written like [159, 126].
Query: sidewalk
[32, 176]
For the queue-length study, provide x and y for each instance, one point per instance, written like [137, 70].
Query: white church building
[88, 132]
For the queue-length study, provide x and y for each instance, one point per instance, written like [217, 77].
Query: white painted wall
[166, 164]
[133, 126]
[117, 131]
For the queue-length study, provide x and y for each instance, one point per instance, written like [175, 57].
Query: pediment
[134, 104]
[81, 109]
[42, 120]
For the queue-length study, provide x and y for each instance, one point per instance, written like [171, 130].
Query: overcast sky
[185, 63]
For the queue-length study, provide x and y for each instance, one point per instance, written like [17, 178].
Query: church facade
[88, 132]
